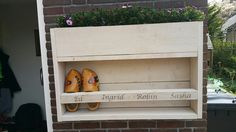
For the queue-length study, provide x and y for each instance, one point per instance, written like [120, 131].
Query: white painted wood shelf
[127, 57]
[149, 71]
[129, 95]
[132, 113]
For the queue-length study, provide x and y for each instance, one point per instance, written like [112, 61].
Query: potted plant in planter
[146, 70]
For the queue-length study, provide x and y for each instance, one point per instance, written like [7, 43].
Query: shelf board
[127, 56]
[130, 114]
[129, 95]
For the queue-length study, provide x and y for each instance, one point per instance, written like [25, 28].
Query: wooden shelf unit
[152, 69]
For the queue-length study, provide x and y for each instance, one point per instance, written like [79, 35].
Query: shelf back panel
[137, 71]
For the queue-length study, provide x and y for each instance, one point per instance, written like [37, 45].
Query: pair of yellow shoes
[87, 82]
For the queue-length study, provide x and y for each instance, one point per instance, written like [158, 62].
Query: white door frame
[42, 36]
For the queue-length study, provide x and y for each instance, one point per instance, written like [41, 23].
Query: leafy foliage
[126, 16]
[215, 22]
[224, 53]
[224, 64]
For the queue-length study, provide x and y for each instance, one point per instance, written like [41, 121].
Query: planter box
[150, 71]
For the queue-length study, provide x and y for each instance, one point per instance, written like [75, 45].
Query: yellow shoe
[72, 85]
[90, 84]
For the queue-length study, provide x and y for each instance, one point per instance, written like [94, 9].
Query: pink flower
[69, 21]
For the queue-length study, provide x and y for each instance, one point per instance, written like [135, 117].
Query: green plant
[215, 22]
[126, 16]
[224, 64]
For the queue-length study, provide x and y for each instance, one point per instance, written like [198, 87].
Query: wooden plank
[200, 72]
[130, 114]
[58, 72]
[127, 39]
[129, 95]
[142, 104]
[127, 57]
[151, 70]
[144, 85]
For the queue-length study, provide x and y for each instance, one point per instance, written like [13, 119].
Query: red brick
[135, 130]
[204, 108]
[56, 2]
[149, 4]
[114, 124]
[205, 56]
[53, 102]
[113, 130]
[51, 78]
[54, 110]
[79, 8]
[170, 4]
[49, 54]
[73, 9]
[133, 1]
[50, 62]
[53, 11]
[185, 130]
[50, 19]
[107, 6]
[205, 39]
[48, 46]
[205, 31]
[51, 86]
[205, 50]
[204, 99]
[205, 82]
[200, 130]
[197, 3]
[62, 125]
[79, 1]
[54, 118]
[92, 130]
[100, 1]
[87, 125]
[163, 130]
[48, 38]
[50, 70]
[204, 90]
[49, 26]
[197, 123]
[66, 131]
[204, 115]
[205, 73]
[205, 65]
[142, 124]
[170, 124]
[52, 94]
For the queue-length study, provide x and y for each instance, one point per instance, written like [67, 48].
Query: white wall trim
[41, 25]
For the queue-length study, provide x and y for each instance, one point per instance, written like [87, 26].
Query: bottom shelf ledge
[130, 114]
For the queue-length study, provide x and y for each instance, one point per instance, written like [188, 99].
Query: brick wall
[54, 8]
